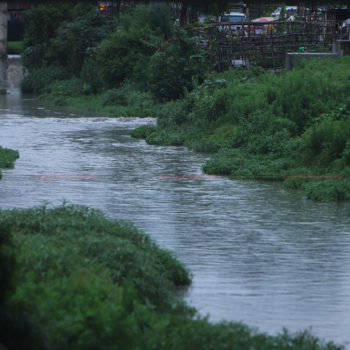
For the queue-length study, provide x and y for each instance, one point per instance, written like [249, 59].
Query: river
[258, 253]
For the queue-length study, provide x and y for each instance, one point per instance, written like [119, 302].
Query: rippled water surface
[258, 253]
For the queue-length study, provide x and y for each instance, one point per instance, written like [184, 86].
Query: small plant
[7, 157]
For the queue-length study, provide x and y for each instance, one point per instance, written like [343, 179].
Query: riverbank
[83, 281]
[7, 158]
[292, 127]
[123, 102]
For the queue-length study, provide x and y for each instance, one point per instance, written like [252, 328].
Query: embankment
[292, 127]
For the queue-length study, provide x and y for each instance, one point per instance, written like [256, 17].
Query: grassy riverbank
[73, 279]
[15, 47]
[292, 127]
[7, 158]
[122, 102]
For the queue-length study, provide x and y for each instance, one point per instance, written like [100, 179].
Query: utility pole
[3, 44]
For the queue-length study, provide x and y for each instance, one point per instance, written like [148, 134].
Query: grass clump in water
[7, 158]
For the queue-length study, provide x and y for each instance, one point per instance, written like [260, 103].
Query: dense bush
[118, 56]
[325, 142]
[144, 47]
[7, 263]
[16, 329]
[60, 43]
[41, 23]
[172, 69]
[139, 35]
[38, 80]
[88, 282]
[150, 50]
[127, 253]
[142, 132]
[76, 41]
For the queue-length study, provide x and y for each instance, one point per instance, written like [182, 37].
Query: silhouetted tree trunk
[183, 13]
[3, 44]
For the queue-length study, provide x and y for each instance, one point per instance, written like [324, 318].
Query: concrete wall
[293, 58]
[342, 47]
[15, 72]
[3, 44]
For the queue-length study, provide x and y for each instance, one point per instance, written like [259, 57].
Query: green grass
[7, 158]
[115, 102]
[83, 281]
[15, 47]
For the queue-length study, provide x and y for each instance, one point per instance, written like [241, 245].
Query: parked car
[290, 10]
[345, 30]
[233, 20]
[233, 17]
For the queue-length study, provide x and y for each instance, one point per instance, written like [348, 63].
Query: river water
[258, 254]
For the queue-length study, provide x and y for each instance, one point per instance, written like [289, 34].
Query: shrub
[325, 190]
[7, 265]
[157, 20]
[325, 142]
[117, 56]
[68, 258]
[119, 247]
[7, 157]
[169, 137]
[139, 35]
[40, 23]
[114, 97]
[64, 88]
[91, 78]
[16, 328]
[171, 70]
[38, 80]
[142, 132]
[132, 99]
[75, 41]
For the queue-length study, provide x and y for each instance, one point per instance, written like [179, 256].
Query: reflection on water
[258, 253]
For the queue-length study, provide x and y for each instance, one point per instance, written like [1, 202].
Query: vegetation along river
[258, 253]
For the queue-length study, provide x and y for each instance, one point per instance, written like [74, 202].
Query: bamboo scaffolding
[265, 44]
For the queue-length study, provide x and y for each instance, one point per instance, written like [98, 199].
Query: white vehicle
[345, 30]
[290, 10]
[232, 20]
[233, 17]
